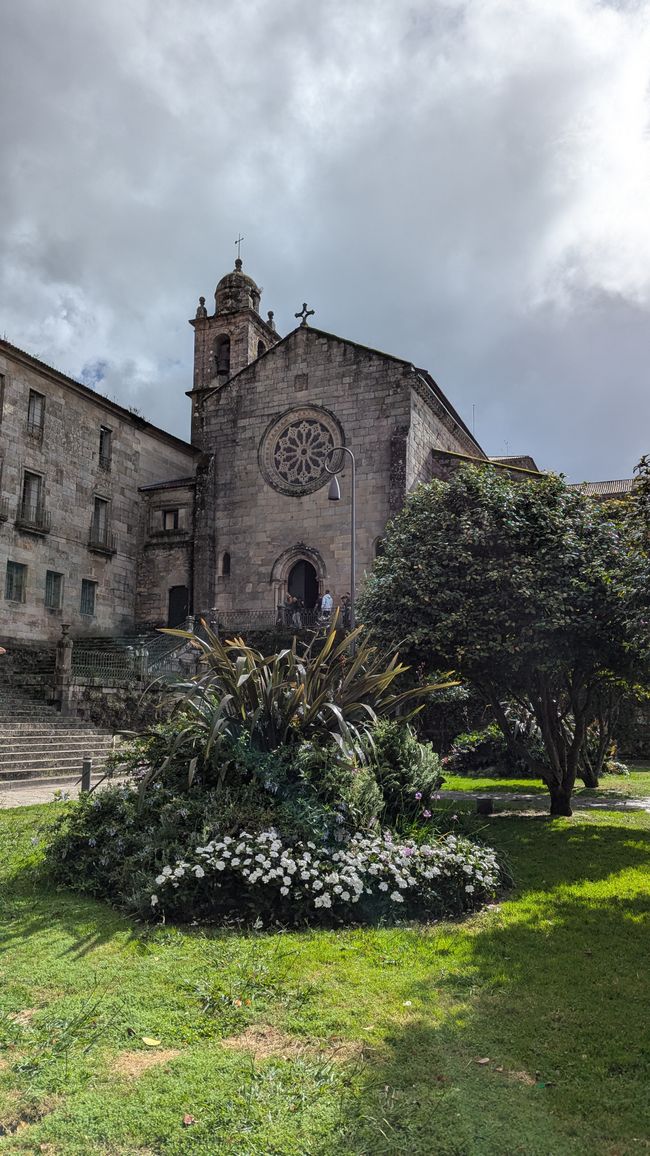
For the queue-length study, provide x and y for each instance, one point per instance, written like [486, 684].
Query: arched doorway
[303, 583]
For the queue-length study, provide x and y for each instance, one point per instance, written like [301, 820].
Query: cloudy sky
[464, 183]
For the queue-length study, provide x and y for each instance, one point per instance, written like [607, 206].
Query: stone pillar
[63, 670]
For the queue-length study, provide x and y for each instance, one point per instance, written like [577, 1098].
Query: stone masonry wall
[165, 556]
[67, 458]
[432, 428]
[264, 531]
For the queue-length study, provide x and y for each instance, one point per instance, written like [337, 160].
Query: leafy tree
[535, 596]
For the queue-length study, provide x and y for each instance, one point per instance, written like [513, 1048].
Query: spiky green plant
[331, 690]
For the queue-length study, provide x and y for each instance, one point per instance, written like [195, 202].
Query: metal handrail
[33, 516]
[101, 538]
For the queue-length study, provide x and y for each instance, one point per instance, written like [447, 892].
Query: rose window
[301, 452]
[297, 447]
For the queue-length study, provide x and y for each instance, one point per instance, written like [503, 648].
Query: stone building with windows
[115, 526]
[71, 512]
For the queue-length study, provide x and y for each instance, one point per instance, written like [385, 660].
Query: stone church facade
[113, 526]
[267, 426]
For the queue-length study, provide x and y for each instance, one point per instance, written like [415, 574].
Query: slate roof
[524, 461]
[604, 489]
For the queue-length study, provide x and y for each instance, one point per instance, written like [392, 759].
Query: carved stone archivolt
[296, 447]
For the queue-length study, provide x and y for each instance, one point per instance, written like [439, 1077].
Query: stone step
[22, 712]
[45, 752]
[56, 737]
[33, 749]
[38, 768]
[23, 730]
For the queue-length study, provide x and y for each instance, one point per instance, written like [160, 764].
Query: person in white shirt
[327, 604]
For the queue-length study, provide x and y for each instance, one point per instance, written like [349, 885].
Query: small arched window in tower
[222, 355]
[261, 348]
[379, 547]
[225, 565]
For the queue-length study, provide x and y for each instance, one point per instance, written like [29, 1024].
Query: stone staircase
[37, 742]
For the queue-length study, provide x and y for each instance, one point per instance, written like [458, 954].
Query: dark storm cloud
[464, 184]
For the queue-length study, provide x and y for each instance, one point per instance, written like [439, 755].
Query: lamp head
[334, 491]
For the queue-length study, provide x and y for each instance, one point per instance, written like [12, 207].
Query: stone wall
[166, 552]
[370, 396]
[65, 454]
[432, 427]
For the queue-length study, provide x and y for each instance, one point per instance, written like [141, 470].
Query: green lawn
[636, 784]
[521, 1030]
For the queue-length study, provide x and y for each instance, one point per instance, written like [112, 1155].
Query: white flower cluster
[326, 877]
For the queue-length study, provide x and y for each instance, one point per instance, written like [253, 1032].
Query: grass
[520, 1030]
[635, 785]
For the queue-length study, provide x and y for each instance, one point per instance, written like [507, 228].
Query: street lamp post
[334, 495]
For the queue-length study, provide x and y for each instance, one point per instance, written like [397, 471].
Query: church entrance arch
[303, 583]
[299, 571]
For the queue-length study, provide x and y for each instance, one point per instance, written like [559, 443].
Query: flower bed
[367, 878]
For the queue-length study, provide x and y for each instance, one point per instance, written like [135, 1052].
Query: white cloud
[465, 184]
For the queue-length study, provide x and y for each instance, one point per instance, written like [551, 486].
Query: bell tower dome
[234, 335]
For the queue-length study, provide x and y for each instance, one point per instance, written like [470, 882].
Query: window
[88, 594]
[105, 447]
[225, 565]
[16, 582]
[53, 590]
[170, 519]
[2, 394]
[35, 413]
[261, 348]
[222, 354]
[99, 527]
[31, 507]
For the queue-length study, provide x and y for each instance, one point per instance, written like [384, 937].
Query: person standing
[326, 604]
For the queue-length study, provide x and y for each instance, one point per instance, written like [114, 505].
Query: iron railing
[115, 667]
[33, 516]
[284, 618]
[102, 539]
[107, 667]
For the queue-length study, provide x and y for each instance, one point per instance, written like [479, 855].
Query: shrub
[327, 692]
[105, 843]
[477, 750]
[266, 878]
[407, 771]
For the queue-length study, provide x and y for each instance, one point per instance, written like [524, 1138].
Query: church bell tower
[234, 335]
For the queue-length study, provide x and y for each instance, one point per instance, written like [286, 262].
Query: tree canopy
[532, 592]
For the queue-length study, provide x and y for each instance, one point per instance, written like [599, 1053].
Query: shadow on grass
[542, 1047]
[82, 924]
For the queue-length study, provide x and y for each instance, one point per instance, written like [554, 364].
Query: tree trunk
[589, 776]
[560, 800]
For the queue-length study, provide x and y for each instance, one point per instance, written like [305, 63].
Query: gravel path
[22, 793]
[540, 802]
[25, 792]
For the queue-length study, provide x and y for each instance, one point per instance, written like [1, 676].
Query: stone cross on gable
[305, 313]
